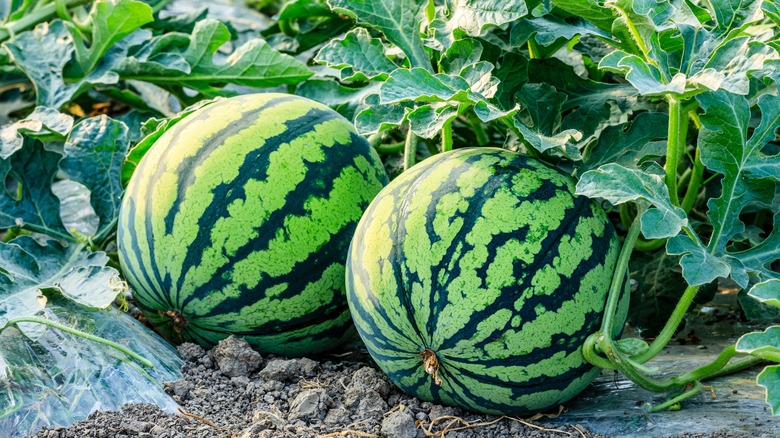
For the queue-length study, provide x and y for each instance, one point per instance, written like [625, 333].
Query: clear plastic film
[58, 378]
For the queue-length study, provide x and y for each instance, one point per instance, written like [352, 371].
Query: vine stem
[610, 310]
[693, 186]
[37, 16]
[446, 136]
[675, 143]
[88, 336]
[671, 325]
[410, 149]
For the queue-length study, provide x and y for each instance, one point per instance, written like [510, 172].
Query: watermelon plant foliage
[665, 111]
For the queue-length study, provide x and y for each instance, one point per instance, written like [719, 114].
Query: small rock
[179, 387]
[399, 424]
[191, 352]
[312, 403]
[240, 382]
[235, 357]
[287, 369]
[337, 416]
[365, 404]
[443, 411]
[368, 378]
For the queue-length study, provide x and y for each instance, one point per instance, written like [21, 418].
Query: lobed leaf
[769, 378]
[42, 55]
[164, 60]
[767, 292]
[111, 20]
[399, 20]
[94, 153]
[29, 270]
[358, 57]
[33, 205]
[473, 17]
[42, 122]
[629, 144]
[618, 184]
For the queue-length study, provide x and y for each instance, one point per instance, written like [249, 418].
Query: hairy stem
[88, 336]
[671, 325]
[695, 183]
[446, 137]
[410, 149]
[674, 145]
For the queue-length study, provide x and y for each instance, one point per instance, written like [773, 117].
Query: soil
[232, 391]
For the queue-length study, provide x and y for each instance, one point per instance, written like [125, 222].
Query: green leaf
[767, 292]
[94, 153]
[427, 120]
[463, 52]
[589, 105]
[253, 64]
[769, 378]
[764, 344]
[550, 29]
[111, 20]
[42, 55]
[377, 117]
[618, 185]
[418, 84]
[726, 149]
[33, 206]
[629, 144]
[475, 16]
[399, 20]
[29, 270]
[645, 77]
[358, 57]
[42, 122]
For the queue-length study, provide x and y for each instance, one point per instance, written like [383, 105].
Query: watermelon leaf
[399, 20]
[42, 55]
[472, 18]
[110, 21]
[31, 271]
[727, 150]
[618, 184]
[176, 60]
[769, 378]
[42, 123]
[29, 202]
[629, 144]
[357, 56]
[767, 292]
[94, 153]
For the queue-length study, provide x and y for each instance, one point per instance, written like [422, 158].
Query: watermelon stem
[410, 149]
[431, 364]
[88, 336]
[177, 319]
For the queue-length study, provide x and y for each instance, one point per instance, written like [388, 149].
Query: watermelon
[475, 277]
[238, 221]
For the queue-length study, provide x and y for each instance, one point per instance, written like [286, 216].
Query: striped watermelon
[238, 220]
[483, 267]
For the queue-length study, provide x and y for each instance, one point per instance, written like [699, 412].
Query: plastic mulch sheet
[57, 378]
